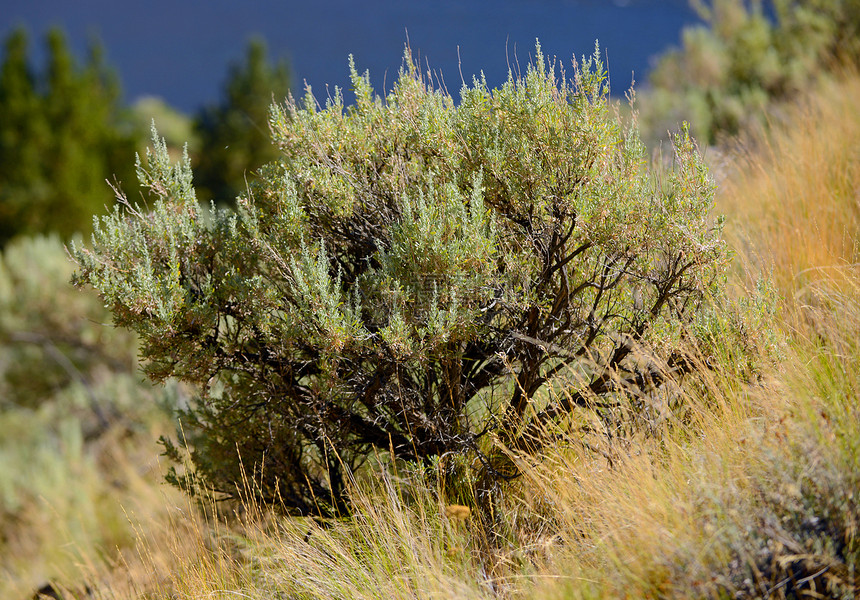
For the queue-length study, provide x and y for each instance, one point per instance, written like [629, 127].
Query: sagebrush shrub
[412, 276]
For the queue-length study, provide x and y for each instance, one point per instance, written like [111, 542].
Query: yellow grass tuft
[793, 199]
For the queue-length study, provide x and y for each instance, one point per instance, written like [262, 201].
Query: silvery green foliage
[412, 274]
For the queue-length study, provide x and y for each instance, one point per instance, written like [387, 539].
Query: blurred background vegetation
[772, 86]
[65, 134]
[61, 136]
[78, 452]
[745, 61]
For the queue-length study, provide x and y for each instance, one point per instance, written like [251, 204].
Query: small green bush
[77, 422]
[744, 59]
[51, 335]
[411, 277]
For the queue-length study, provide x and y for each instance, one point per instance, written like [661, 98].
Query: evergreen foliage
[60, 139]
[413, 277]
[234, 134]
[746, 57]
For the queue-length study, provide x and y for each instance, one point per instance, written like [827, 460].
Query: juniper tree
[410, 276]
[233, 134]
[61, 136]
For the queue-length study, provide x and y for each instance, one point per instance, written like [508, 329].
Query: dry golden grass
[696, 517]
[793, 198]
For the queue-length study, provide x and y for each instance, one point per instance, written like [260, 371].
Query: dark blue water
[180, 49]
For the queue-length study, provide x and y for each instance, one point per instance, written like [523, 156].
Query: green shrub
[411, 277]
[51, 335]
[78, 424]
[731, 70]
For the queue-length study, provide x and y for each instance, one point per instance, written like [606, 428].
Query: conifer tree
[234, 134]
[23, 132]
[62, 139]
